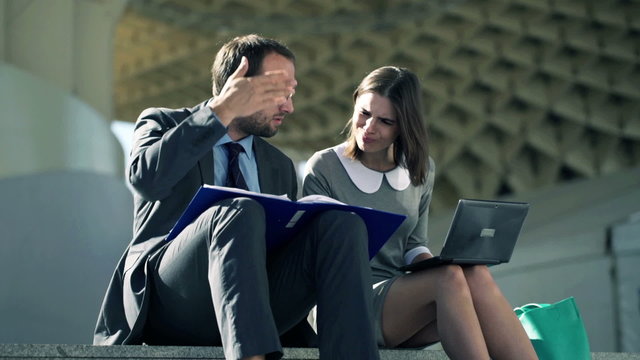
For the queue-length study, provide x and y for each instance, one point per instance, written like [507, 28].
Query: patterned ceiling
[519, 94]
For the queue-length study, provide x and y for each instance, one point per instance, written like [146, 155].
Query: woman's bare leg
[414, 299]
[424, 337]
[504, 335]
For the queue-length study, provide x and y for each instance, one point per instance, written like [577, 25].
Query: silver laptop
[482, 232]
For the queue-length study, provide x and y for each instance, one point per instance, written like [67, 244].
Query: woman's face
[375, 124]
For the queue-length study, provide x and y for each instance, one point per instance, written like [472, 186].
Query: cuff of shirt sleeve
[411, 254]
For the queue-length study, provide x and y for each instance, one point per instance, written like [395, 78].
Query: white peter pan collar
[367, 180]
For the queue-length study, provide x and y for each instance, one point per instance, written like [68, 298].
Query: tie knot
[234, 148]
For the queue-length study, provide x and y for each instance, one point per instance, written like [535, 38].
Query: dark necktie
[234, 175]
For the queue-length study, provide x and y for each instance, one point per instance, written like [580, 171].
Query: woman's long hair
[402, 88]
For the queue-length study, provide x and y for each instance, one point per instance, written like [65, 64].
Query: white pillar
[66, 42]
[56, 82]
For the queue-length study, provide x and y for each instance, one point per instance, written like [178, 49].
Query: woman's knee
[452, 277]
[479, 276]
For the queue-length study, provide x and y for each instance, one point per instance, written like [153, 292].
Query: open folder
[284, 218]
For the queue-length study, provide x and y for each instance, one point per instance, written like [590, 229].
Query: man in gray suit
[215, 283]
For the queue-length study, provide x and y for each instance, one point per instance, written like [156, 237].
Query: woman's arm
[422, 256]
[417, 243]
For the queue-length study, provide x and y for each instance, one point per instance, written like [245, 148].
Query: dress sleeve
[316, 178]
[418, 237]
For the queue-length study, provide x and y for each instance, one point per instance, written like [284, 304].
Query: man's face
[265, 123]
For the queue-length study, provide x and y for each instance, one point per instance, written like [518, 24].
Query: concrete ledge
[48, 351]
[130, 352]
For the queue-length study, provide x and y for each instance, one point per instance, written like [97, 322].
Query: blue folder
[285, 218]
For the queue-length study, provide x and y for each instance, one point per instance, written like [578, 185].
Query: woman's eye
[365, 113]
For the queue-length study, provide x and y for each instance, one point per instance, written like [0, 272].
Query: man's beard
[257, 124]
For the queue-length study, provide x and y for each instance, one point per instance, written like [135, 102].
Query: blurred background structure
[533, 100]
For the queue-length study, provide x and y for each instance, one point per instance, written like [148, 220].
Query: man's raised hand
[244, 96]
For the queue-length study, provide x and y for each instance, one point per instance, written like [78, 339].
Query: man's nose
[287, 106]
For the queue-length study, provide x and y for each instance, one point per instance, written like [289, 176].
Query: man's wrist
[223, 114]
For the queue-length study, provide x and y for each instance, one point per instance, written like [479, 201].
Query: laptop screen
[483, 229]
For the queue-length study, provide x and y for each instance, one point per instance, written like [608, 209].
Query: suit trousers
[216, 284]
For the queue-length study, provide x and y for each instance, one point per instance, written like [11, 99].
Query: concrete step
[130, 352]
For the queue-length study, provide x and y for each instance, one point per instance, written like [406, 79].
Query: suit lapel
[206, 162]
[267, 174]
[206, 168]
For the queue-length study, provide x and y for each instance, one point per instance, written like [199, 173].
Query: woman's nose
[369, 125]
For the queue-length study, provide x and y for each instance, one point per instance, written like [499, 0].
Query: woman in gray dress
[384, 164]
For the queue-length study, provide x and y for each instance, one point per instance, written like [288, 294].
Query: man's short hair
[254, 47]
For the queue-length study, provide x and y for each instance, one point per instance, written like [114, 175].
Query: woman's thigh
[409, 306]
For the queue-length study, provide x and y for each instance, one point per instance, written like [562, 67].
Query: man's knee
[240, 203]
[346, 222]
[237, 218]
[338, 226]
[240, 208]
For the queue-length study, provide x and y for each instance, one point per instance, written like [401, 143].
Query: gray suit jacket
[171, 158]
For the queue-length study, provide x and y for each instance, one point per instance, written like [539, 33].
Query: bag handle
[524, 308]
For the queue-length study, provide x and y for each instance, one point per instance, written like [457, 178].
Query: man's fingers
[241, 70]
[275, 73]
[277, 76]
[273, 83]
[267, 98]
[267, 102]
[280, 92]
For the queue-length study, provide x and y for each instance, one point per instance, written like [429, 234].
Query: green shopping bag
[556, 330]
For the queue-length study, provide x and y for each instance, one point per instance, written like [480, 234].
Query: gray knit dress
[331, 174]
